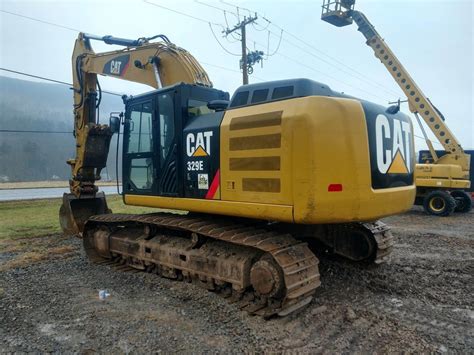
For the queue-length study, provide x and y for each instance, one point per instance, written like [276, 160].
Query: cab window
[140, 139]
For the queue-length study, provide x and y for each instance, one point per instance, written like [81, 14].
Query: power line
[238, 7]
[230, 70]
[327, 75]
[76, 30]
[300, 48]
[362, 78]
[423, 138]
[277, 47]
[41, 21]
[349, 69]
[27, 131]
[52, 80]
[215, 7]
[70, 132]
[220, 44]
[181, 13]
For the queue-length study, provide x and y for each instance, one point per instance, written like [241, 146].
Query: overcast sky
[433, 40]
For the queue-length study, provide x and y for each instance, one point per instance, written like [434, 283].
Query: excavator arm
[341, 13]
[156, 64]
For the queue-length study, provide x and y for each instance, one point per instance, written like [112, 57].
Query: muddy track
[291, 290]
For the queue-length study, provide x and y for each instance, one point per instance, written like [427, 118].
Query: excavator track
[370, 242]
[266, 272]
[383, 239]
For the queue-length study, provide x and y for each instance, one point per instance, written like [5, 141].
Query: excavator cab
[158, 125]
[336, 12]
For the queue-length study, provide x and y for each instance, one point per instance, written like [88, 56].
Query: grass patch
[30, 230]
[34, 218]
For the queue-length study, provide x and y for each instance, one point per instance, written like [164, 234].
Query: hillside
[27, 105]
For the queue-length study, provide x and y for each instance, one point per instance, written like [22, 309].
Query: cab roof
[277, 90]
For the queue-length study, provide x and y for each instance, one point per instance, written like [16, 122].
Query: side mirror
[114, 124]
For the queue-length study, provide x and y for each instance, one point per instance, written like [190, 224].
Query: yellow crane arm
[419, 104]
[156, 64]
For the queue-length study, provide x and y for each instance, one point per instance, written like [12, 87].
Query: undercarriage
[261, 266]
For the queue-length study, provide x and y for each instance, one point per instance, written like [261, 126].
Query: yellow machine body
[447, 176]
[304, 160]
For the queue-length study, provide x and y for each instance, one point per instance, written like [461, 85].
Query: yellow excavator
[266, 176]
[441, 183]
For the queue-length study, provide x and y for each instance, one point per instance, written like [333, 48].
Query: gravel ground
[421, 301]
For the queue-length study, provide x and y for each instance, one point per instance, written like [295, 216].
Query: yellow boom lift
[281, 167]
[439, 184]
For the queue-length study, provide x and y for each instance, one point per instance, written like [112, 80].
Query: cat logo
[115, 67]
[198, 144]
[393, 146]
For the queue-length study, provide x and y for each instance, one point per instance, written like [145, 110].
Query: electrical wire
[349, 70]
[277, 47]
[220, 44]
[329, 63]
[214, 7]
[71, 132]
[359, 76]
[329, 76]
[187, 15]
[238, 7]
[28, 131]
[232, 34]
[52, 80]
[180, 13]
[36, 76]
[117, 94]
[303, 50]
[254, 25]
[423, 138]
[41, 21]
[104, 91]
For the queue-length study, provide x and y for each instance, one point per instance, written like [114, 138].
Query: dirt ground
[421, 301]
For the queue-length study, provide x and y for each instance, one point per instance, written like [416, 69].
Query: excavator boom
[156, 64]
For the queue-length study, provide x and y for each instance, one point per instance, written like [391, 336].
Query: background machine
[441, 183]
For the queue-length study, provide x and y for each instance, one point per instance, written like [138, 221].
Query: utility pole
[244, 62]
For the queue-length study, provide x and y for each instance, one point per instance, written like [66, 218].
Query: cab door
[168, 125]
[150, 145]
[139, 160]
